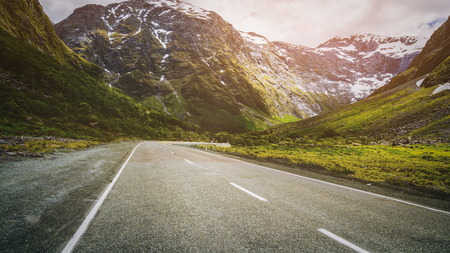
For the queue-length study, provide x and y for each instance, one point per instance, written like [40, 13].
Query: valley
[156, 125]
[168, 70]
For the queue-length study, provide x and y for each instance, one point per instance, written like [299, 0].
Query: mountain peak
[254, 38]
[368, 38]
[155, 1]
[161, 1]
[174, 1]
[370, 44]
[176, 5]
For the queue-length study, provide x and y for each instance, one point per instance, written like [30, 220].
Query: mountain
[406, 113]
[184, 60]
[47, 89]
[433, 59]
[192, 64]
[351, 68]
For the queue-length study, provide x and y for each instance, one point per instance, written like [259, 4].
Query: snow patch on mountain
[369, 44]
[418, 83]
[186, 8]
[258, 40]
[138, 31]
[441, 88]
[397, 49]
[162, 36]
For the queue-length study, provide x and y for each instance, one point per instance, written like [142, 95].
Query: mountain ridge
[365, 63]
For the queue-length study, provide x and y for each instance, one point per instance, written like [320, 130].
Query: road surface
[170, 198]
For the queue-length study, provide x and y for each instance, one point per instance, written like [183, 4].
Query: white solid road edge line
[342, 241]
[76, 237]
[333, 184]
[248, 192]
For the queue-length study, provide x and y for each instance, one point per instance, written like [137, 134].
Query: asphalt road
[174, 199]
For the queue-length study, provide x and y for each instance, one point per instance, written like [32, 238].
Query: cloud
[308, 22]
[58, 10]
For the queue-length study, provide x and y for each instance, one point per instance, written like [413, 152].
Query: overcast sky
[308, 22]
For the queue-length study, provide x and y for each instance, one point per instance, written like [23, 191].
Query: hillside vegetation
[399, 135]
[26, 21]
[407, 114]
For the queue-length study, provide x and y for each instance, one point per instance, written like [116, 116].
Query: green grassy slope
[400, 135]
[406, 114]
[420, 165]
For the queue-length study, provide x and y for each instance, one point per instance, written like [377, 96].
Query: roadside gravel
[43, 200]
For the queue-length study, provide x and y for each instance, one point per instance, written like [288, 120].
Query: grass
[34, 145]
[287, 118]
[426, 166]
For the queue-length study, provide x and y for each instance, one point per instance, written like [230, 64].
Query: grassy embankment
[424, 166]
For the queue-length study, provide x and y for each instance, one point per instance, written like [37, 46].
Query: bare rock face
[192, 64]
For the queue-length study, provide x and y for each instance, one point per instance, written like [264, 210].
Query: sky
[308, 22]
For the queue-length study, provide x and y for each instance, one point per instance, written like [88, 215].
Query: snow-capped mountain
[351, 68]
[192, 64]
[432, 63]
